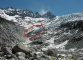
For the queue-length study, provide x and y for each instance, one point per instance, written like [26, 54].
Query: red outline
[34, 34]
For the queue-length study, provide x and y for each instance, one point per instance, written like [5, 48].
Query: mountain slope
[10, 32]
[64, 33]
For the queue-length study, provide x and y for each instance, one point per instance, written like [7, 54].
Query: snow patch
[62, 45]
[50, 41]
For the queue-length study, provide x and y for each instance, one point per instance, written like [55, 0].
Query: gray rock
[0, 57]
[34, 55]
[0, 49]
[8, 56]
[1, 53]
[21, 48]
[33, 58]
[7, 51]
[43, 58]
[21, 57]
[20, 54]
[51, 52]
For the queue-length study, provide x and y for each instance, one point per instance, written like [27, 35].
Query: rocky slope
[11, 32]
[63, 36]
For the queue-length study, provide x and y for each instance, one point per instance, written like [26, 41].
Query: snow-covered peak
[20, 16]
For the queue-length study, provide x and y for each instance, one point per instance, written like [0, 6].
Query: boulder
[6, 51]
[21, 57]
[8, 56]
[20, 54]
[21, 48]
[51, 52]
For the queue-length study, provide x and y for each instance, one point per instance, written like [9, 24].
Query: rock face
[73, 25]
[10, 33]
[37, 15]
[75, 28]
[21, 48]
[51, 52]
[49, 15]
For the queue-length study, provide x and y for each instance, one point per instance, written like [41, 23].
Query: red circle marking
[34, 25]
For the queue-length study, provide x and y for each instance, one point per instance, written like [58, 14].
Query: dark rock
[0, 49]
[37, 15]
[1, 53]
[46, 44]
[49, 15]
[21, 48]
[73, 25]
[8, 56]
[37, 42]
[51, 52]
[34, 55]
[33, 58]
[7, 51]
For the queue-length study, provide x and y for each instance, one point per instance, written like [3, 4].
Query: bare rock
[21, 57]
[1, 53]
[8, 56]
[7, 51]
[20, 54]
[21, 48]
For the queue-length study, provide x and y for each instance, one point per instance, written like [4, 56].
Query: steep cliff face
[75, 28]
[10, 32]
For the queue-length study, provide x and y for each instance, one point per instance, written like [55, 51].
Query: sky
[57, 7]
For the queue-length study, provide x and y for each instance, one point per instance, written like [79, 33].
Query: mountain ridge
[12, 11]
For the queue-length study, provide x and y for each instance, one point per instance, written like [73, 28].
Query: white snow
[64, 55]
[51, 46]
[62, 44]
[3, 15]
[10, 9]
[16, 16]
[59, 46]
[57, 17]
[50, 41]
[44, 49]
[27, 42]
[72, 49]
[39, 53]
